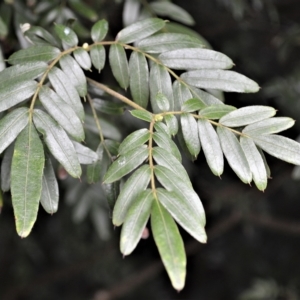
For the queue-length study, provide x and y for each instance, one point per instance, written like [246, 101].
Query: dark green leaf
[6, 168]
[135, 221]
[66, 35]
[83, 59]
[142, 114]
[136, 183]
[228, 81]
[75, 74]
[170, 245]
[172, 124]
[119, 65]
[50, 193]
[112, 191]
[26, 179]
[133, 140]
[190, 133]
[140, 30]
[126, 163]
[192, 104]
[108, 107]
[62, 113]
[38, 33]
[139, 78]
[99, 31]
[57, 142]
[34, 54]
[83, 9]
[11, 125]
[86, 156]
[98, 56]
[217, 111]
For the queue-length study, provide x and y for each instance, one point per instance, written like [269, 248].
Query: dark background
[253, 237]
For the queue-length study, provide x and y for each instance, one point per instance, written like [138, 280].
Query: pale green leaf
[2, 62]
[131, 12]
[3, 29]
[183, 212]
[142, 115]
[217, 111]
[162, 102]
[6, 168]
[170, 245]
[98, 168]
[37, 33]
[181, 94]
[26, 179]
[172, 182]
[163, 128]
[98, 56]
[280, 147]
[168, 41]
[192, 104]
[160, 82]
[256, 163]
[172, 11]
[139, 78]
[86, 156]
[172, 124]
[119, 65]
[136, 183]
[234, 154]
[192, 59]
[268, 170]
[247, 115]
[57, 142]
[228, 81]
[66, 35]
[135, 221]
[50, 193]
[73, 71]
[83, 58]
[126, 163]
[108, 107]
[62, 113]
[190, 133]
[99, 31]
[211, 147]
[34, 54]
[11, 125]
[133, 140]
[183, 146]
[16, 93]
[206, 98]
[140, 30]
[269, 126]
[64, 88]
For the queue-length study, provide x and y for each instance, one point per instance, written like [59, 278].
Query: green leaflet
[131, 12]
[108, 107]
[112, 191]
[39, 34]
[172, 182]
[57, 142]
[168, 41]
[172, 11]
[140, 30]
[192, 104]
[256, 163]
[269, 126]
[26, 179]
[98, 56]
[183, 146]
[247, 115]
[217, 111]
[99, 31]
[126, 163]
[62, 113]
[181, 94]
[135, 221]
[170, 245]
[206, 98]
[185, 59]
[162, 128]
[280, 147]
[83, 9]
[165, 142]
[20, 73]
[16, 93]
[6, 168]
[139, 78]
[64, 88]
[119, 65]
[135, 184]
[211, 147]
[234, 154]
[142, 115]
[133, 140]
[190, 133]
[160, 82]
[34, 54]
[66, 35]
[11, 125]
[183, 213]
[50, 193]
[95, 170]
[162, 102]
[86, 156]
[83, 58]
[172, 124]
[228, 81]
[164, 158]
[73, 71]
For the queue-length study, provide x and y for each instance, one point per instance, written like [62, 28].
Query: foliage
[171, 78]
